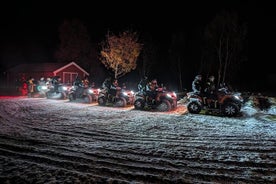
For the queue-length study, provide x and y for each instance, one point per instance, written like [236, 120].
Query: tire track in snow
[144, 154]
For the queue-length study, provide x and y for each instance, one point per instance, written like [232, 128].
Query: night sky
[29, 31]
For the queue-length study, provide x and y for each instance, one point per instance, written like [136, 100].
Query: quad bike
[61, 92]
[124, 98]
[163, 101]
[225, 103]
[88, 95]
[39, 92]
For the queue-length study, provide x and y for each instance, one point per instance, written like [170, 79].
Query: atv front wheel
[88, 99]
[101, 101]
[121, 102]
[72, 97]
[194, 107]
[63, 96]
[230, 109]
[139, 104]
[164, 106]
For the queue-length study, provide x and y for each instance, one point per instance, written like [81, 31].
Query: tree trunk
[179, 74]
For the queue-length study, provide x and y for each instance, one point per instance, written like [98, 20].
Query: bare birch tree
[120, 52]
[225, 36]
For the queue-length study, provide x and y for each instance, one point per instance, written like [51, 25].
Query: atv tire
[72, 97]
[194, 107]
[230, 109]
[120, 102]
[164, 106]
[101, 101]
[87, 99]
[139, 104]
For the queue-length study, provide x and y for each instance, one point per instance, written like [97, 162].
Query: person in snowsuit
[85, 82]
[106, 84]
[124, 87]
[31, 86]
[48, 82]
[56, 82]
[142, 84]
[197, 84]
[114, 89]
[77, 82]
[41, 81]
[210, 87]
[151, 92]
[24, 86]
[93, 85]
[210, 90]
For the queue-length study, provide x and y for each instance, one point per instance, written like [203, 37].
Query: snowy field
[57, 141]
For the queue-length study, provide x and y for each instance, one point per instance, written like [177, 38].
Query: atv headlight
[238, 98]
[43, 87]
[125, 93]
[171, 95]
[64, 88]
[90, 91]
[174, 94]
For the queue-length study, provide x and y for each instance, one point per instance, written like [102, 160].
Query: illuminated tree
[120, 52]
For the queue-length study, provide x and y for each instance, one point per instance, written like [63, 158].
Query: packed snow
[57, 141]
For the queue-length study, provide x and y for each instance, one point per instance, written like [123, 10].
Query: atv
[87, 95]
[124, 98]
[40, 91]
[61, 92]
[163, 100]
[225, 103]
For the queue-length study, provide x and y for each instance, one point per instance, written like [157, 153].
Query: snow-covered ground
[57, 141]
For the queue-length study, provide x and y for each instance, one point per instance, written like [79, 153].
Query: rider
[114, 88]
[48, 82]
[197, 84]
[210, 89]
[77, 82]
[56, 81]
[124, 87]
[151, 88]
[42, 81]
[106, 84]
[85, 82]
[31, 85]
[142, 84]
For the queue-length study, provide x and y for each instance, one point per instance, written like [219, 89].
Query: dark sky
[41, 19]
[29, 31]
[25, 24]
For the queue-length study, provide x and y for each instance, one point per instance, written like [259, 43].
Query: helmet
[154, 81]
[115, 81]
[198, 77]
[211, 78]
